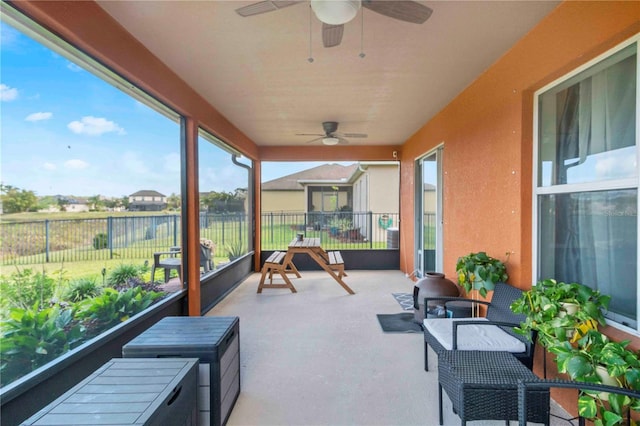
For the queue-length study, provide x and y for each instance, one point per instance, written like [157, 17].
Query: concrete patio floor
[319, 356]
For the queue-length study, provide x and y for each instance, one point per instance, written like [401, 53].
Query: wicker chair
[525, 387]
[442, 333]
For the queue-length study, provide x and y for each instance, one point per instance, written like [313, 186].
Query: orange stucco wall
[487, 135]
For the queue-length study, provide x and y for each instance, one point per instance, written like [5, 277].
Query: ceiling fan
[335, 13]
[331, 136]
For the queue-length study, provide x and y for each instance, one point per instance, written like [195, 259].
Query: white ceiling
[255, 71]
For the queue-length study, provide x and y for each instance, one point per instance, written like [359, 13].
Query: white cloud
[133, 164]
[73, 67]
[172, 163]
[94, 126]
[49, 166]
[8, 36]
[39, 116]
[8, 93]
[616, 165]
[76, 164]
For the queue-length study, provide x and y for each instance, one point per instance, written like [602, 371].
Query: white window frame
[608, 185]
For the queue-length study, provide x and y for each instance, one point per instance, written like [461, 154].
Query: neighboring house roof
[362, 166]
[77, 201]
[331, 173]
[147, 193]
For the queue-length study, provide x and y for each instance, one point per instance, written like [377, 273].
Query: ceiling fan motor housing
[330, 127]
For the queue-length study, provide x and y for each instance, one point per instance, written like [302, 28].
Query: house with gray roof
[147, 201]
[363, 187]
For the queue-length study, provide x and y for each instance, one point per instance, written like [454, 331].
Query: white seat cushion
[473, 337]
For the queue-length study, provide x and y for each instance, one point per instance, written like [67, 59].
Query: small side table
[483, 385]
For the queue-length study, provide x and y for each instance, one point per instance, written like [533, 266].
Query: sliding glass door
[429, 213]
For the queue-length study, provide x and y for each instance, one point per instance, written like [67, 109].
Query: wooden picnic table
[311, 246]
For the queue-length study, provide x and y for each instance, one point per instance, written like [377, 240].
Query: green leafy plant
[581, 361]
[113, 307]
[235, 249]
[341, 223]
[581, 350]
[546, 311]
[33, 337]
[480, 272]
[100, 241]
[82, 288]
[26, 288]
[122, 273]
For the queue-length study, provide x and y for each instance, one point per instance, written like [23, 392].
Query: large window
[348, 205]
[587, 180]
[90, 191]
[224, 183]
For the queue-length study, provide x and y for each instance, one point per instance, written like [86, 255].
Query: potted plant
[558, 310]
[235, 250]
[480, 272]
[594, 358]
[582, 351]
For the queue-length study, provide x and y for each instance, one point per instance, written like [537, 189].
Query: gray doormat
[399, 323]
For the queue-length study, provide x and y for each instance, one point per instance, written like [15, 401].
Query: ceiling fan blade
[316, 139]
[309, 134]
[407, 11]
[354, 135]
[342, 141]
[332, 34]
[263, 7]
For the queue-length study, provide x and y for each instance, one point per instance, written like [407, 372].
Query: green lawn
[71, 245]
[32, 216]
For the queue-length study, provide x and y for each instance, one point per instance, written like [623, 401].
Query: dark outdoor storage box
[215, 341]
[156, 392]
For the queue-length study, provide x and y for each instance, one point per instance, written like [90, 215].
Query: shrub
[32, 338]
[82, 288]
[113, 307]
[100, 241]
[139, 283]
[122, 273]
[26, 288]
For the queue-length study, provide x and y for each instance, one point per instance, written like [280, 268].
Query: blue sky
[65, 131]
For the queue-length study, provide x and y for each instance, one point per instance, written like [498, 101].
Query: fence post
[370, 229]
[175, 230]
[222, 220]
[110, 235]
[46, 240]
[271, 225]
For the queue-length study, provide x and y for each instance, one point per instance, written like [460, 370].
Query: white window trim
[591, 186]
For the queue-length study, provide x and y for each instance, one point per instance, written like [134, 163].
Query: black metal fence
[137, 237]
[339, 230]
[132, 237]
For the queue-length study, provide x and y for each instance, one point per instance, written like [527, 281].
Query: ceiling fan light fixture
[335, 12]
[330, 141]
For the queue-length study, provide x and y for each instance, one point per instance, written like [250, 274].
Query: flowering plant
[207, 243]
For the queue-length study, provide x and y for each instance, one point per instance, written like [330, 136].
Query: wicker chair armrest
[456, 324]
